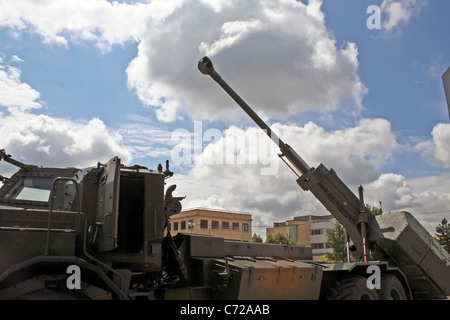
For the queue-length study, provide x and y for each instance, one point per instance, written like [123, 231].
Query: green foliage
[374, 210]
[443, 234]
[256, 238]
[279, 238]
[336, 240]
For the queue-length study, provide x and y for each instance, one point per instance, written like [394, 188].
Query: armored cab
[105, 218]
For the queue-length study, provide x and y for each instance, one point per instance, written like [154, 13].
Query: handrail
[85, 252]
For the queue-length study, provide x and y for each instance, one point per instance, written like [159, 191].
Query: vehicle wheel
[351, 288]
[391, 288]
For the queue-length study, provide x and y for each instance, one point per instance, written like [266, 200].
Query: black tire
[391, 288]
[351, 288]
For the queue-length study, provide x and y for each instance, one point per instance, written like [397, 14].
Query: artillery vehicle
[102, 233]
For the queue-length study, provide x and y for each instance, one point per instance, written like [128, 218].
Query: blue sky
[82, 81]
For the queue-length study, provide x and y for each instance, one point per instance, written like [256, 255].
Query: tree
[336, 240]
[256, 238]
[443, 234]
[374, 210]
[279, 238]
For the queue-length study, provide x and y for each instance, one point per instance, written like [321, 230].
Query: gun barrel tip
[205, 65]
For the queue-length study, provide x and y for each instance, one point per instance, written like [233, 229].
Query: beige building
[309, 230]
[225, 224]
[297, 231]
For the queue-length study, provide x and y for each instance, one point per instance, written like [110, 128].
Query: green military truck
[101, 233]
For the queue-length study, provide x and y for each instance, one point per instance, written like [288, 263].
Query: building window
[316, 232]
[318, 245]
[175, 226]
[245, 227]
[235, 226]
[203, 224]
[215, 224]
[225, 225]
[191, 224]
[183, 225]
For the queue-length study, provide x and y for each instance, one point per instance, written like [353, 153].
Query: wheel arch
[341, 271]
[49, 267]
[361, 269]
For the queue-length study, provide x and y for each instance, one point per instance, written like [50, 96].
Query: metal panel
[446, 82]
[17, 245]
[107, 205]
[270, 279]
[409, 243]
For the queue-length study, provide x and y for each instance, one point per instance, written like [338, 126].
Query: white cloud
[278, 55]
[392, 189]
[234, 180]
[356, 153]
[42, 140]
[399, 12]
[441, 139]
[102, 22]
[437, 149]
[232, 32]
[426, 198]
[15, 95]
[230, 173]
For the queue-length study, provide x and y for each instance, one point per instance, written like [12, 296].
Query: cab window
[32, 189]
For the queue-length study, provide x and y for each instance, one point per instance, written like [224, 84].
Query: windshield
[32, 188]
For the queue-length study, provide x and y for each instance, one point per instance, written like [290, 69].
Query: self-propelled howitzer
[104, 232]
[398, 238]
[326, 186]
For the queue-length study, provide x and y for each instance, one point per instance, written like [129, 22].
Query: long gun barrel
[206, 67]
[326, 186]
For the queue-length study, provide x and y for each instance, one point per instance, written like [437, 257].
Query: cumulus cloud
[101, 22]
[42, 140]
[441, 139]
[355, 152]
[240, 170]
[399, 12]
[279, 54]
[436, 150]
[15, 95]
[427, 198]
